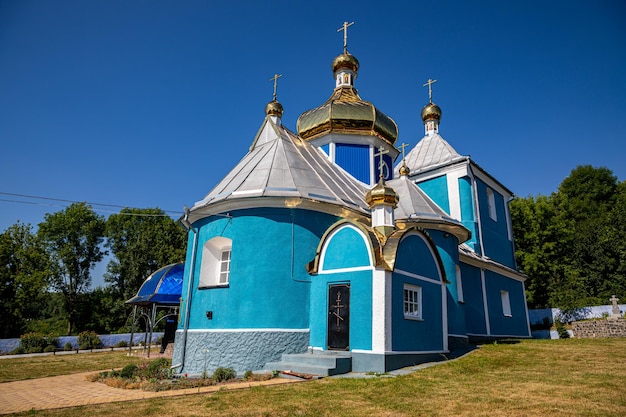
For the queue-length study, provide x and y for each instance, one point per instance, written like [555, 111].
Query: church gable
[415, 256]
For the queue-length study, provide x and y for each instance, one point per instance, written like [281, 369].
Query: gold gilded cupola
[431, 113]
[346, 120]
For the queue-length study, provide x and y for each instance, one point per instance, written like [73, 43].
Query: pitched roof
[431, 151]
[280, 164]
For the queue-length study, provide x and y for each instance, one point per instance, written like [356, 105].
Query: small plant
[67, 346]
[18, 351]
[129, 371]
[50, 348]
[159, 368]
[248, 374]
[34, 349]
[88, 340]
[561, 330]
[224, 374]
[121, 344]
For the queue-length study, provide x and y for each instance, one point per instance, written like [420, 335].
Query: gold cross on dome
[430, 83]
[345, 27]
[275, 79]
[404, 145]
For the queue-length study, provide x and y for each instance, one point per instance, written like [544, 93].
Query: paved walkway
[74, 390]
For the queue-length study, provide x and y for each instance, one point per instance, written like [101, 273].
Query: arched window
[215, 268]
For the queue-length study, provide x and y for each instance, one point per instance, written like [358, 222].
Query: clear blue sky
[150, 103]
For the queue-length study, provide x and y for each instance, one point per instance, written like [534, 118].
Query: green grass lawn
[570, 377]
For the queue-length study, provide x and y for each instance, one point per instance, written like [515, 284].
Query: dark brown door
[339, 317]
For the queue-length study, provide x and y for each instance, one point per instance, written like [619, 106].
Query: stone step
[322, 364]
[299, 368]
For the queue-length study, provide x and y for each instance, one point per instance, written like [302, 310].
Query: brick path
[74, 390]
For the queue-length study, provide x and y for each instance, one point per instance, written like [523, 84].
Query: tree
[73, 238]
[24, 278]
[142, 240]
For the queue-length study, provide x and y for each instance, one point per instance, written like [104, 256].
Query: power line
[86, 202]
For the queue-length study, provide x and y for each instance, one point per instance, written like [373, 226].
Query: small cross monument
[615, 313]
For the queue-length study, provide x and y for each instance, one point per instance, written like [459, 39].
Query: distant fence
[538, 317]
[108, 340]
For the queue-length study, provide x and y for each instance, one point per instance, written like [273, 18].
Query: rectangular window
[491, 203]
[506, 303]
[459, 285]
[224, 266]
[412, 302]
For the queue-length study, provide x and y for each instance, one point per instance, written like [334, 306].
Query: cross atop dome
[345, 27]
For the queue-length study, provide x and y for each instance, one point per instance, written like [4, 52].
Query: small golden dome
[382, 194]
[404, 170]
[431, 111]
[345, 60]
[274, 108]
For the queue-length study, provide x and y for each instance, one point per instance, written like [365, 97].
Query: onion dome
[404, 170]
[382, 194]
[347, 61]
[274, 108]
[345, 111]
[431, 111]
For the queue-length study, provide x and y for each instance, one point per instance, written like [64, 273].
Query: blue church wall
[262, 263]
[501, 324]
[345, 259]
[447, 246]
[355, 159]
[468, 216]
[425, 334]
[437, 190]
[495, 238]
[474, 306]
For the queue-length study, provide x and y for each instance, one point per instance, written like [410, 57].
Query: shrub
[88, 340]
[67, 346]
[561, 330]
[223, 374]
[52, 340]
[50, 348]
[32, 340]
[248, 374]
[159, 368]
[121, 344]
[18, 351]
[34, 349]
[129, 371]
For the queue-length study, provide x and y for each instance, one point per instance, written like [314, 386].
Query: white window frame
[459, 285]
[214, 269]
[412, 302]
[491, 204]
[506, 303]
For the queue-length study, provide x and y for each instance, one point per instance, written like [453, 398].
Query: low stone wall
[600, 328]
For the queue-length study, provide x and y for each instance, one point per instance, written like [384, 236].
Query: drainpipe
[192, 266]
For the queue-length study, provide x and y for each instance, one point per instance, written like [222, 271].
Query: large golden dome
[431, 111]
[345, 111]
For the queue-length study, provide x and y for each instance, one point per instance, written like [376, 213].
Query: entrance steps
[321, 363]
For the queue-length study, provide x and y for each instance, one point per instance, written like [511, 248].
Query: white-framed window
[491, 204]
[215, 264]
[506, 303]
[412, 302]
[459, 285]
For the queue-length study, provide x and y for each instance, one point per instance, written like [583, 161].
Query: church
[333, 242]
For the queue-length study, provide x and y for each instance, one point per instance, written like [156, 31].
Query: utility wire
[86, 202]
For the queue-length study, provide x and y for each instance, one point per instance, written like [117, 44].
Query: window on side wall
[412, 302]
[491, 203]
[215, 264]
[459, 285]
[506, 303]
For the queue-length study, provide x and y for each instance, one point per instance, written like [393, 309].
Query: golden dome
[431, 111]
[404, 170]
[382, 194]
[347, 61]
[274, 108]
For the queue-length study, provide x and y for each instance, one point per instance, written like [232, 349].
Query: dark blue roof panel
[162, 287]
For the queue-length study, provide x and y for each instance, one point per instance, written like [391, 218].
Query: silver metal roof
[429, 152]
[280, 164]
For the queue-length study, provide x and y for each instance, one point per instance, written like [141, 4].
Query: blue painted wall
[437, 190]
[468, 214]
[262, 263]
[346, 247]
[414, 256]
[495, 233]
[355, 159]
[501, 325]
[449, 253]
[473, 294]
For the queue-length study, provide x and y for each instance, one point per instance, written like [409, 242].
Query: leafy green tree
[73, 238]
[24, 278]
[142, 241]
